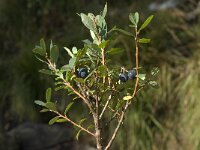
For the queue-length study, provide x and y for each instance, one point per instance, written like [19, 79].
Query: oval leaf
[126, 98]
[146, 23]
[88, 22]
[38, 102]
[51, 106]
[68, 107]
[61, 120]
[39, 50]
[43, 45]
[53, 120]
[144, 40]
[54, 53]
[48, 94]
[141, 76]
[134, 18]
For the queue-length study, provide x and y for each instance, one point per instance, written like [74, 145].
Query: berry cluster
[83, 73]
[131, 75]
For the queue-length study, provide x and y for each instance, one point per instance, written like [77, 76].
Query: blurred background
[163, 119]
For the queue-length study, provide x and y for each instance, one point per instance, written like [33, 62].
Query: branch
[118, 126]
[72, 122]
[106, 105]
[136, 61]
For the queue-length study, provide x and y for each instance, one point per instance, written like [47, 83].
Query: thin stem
[72, 122]
[97, 125]
[117, 128]
[136, 61]
[106, 105]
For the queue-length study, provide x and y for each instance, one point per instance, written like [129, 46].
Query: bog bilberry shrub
[93, 79]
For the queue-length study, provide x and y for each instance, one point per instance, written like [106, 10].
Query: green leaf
[104, 44]
[69, 52]
[48, 95]
[61, 120]
[104, 11]
[72, 62]
[114, 51]
[144, 40]
[102, 69]
[123, 31]
[90, 127]
[119, 104]
[78, 133]
[146, 23]
[39, 50]
[51, 106]
[60, 87]
[68, 107]
[126, 98]
[79, 80]
[54, 53]
[134, 18]
[38, 102]
[65, 68]
[154, 71]
[88, 22]
[41, 60]
[74, 50]
[53, 120]
[45, 71]
[141, 76]
[44, 110]
[43, 45]
[82, 120]
[154, 84]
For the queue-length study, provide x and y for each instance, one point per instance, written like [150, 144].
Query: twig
[117, 128]
[106, 105]
[72, 122]
[136, 61]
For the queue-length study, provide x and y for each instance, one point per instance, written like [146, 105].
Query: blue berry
[132, 74]
[83, 73]
[123, 77]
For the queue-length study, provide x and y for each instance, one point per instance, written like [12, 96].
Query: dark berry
[123, 77]
[83, 73]
[132, 74]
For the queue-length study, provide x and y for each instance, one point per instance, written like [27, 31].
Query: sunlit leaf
[104, 11]
[153, 84]
[144, 40]
[88, 22]
[154, 71]
[69, 52]
[134, 18]
[38, 102]
[141, 76]
[126, 98]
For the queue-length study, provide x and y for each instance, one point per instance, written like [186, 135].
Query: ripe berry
[83, 73]
[132, 74]
[123, 77]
